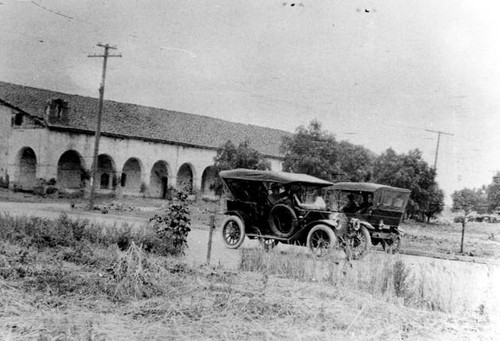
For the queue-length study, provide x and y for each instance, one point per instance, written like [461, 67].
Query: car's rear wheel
[233, 232]
[321, 240]
[282, 221]
[358, 243]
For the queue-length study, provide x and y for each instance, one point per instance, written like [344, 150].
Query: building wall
[49, 145]
[5, 129]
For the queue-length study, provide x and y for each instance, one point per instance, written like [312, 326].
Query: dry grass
[209, 303]
[451, 287]
[96, 291]
[481, 239]
[133, 295]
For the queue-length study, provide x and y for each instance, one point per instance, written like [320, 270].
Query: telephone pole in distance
[437, 147]
[93, 172]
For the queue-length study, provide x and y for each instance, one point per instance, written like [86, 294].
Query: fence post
[210, 233]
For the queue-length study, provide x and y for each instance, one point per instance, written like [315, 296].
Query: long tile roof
[136, 121]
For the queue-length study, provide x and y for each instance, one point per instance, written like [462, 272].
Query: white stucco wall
[49, 145]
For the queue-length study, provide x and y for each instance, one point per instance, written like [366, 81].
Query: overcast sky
[377, 73]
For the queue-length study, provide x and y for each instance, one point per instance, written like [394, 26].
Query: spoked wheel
[233, 232]
[358, 243]
[392, 245]
[321, 240]
[268, 244]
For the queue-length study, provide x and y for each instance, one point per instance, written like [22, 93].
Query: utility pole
[106, 54]
[437, 147]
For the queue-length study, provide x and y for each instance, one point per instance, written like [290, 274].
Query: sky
[379, 73]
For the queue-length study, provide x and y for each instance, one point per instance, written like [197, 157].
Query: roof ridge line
[145, 106]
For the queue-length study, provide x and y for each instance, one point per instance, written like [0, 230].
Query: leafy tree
[412, 172]
[231, 157]
[312, 151]
[493, 193]
[465, 201]
[356, 162]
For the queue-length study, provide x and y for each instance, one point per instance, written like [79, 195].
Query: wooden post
[463, 233]
[210, 233]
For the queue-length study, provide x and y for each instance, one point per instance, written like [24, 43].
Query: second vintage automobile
[379, 209]
[280, 207]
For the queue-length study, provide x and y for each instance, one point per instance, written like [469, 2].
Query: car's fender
[367, 225]
[331, 223]
[240, 215]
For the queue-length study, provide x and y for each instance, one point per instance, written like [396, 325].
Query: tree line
[315, 151]
[482, 200]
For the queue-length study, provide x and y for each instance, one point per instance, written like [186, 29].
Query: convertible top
[272, 176]
[366, 187]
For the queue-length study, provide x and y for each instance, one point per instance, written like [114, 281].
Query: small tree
[465, 201]
[435, 203]
[231, 157]
[173, 225]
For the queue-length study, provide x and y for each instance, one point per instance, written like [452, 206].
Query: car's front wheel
[233, 232]
[358, 243]
[321, 240]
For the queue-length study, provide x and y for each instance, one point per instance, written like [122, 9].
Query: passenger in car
[366, 204]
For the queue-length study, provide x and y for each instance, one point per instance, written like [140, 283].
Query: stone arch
[208, 180]
[159, 183]
[106, 173]
[27, 169]
[185, 178]
[131, 177]
[70, 170]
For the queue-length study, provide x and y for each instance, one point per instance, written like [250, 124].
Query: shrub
[173, 225]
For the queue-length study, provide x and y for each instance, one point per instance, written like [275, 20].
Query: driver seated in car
[275, 195]
[351, 206]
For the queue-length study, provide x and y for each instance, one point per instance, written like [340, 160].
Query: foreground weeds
[92, 288]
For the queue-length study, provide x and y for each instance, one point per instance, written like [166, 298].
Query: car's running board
[266, 236]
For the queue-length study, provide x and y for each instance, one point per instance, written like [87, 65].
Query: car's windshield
[349, 201]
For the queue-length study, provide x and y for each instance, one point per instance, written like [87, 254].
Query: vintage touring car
[288, 208]
[379, 209]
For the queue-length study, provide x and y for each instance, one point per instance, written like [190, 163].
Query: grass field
[83, 286]
[91, 289]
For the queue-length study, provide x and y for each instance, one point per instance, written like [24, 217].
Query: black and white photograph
[249, 170]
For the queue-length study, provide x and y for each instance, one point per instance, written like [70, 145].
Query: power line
[106, 54]
[439, 132]
[52, 11]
